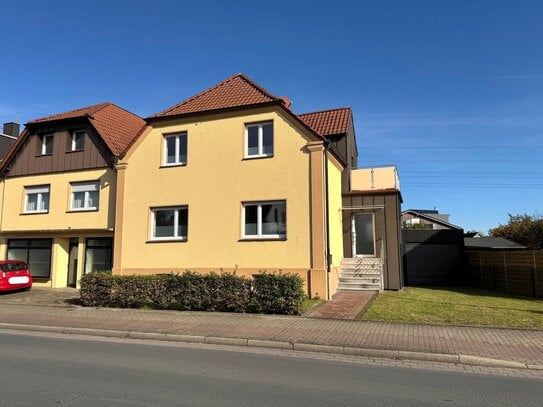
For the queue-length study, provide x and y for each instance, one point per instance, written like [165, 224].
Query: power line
[446, 147]
[470, 177]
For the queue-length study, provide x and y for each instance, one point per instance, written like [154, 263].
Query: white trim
[44, 144]
[176, 236]
[353, 229]
[259, 234]
[74, 145]
[177, 153]
[260, 145]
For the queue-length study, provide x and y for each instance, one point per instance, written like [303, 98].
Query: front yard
[456, 306]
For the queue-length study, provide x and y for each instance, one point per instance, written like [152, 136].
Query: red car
[14, 275]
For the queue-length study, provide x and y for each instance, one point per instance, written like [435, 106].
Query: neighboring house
[425, 219]
[491, 243]
[8, 137]
[59, 192]
[232, 180]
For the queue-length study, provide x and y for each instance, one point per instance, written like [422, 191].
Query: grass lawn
[456, 306]
[309, 303]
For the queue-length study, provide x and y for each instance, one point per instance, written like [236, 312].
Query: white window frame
[259, 234]
[44, 144]
[260, 153]
[177, 161]
[40, 191]
[176, 236]
[74, 140]
[87, 188]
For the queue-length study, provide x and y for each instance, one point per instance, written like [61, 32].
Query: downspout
[327, 222]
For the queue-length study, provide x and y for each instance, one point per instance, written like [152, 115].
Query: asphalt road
[50, 371]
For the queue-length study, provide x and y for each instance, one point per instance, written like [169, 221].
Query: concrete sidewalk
[466, 345]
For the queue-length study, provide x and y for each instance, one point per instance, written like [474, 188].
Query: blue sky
[450, 91]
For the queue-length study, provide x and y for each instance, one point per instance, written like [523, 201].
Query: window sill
[263, 239]
[74, 151]
[82, 210]
[34, 213]
[173, 165]
[44, 155]
[172, 240]
[256, 157]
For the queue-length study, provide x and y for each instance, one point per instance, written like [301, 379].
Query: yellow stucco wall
[214, 183]
[59, 216]
[335, 223]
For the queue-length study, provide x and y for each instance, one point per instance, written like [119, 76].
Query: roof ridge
[260, 88]
[97, 107]
[326, 110]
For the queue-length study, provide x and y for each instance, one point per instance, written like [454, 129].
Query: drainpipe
[327, 221]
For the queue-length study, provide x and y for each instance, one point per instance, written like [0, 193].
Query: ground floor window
[98, 254]
[265, 220]
[35, 252]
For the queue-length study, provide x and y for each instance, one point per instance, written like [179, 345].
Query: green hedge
[264, 293]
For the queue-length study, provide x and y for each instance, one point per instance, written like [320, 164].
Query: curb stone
[270, 344]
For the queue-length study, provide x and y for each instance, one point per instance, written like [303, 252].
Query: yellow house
[231, 180]
[58, 192]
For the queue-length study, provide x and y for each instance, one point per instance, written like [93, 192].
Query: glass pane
[39, 262]
[363, 224]
[170, 150]
[17, 254]
[40, 243]
[164, 223]
[267, 139]
[31, 202]
[99, 242]
[182, 148]
[252, 140]
[78, 200]
[93, 199]
[97, 259]
[44, 202]
[10, 267]
[79, 140]
[274, 219]
[251, 215]
[18, 243]
[182, 223]
[48, 145]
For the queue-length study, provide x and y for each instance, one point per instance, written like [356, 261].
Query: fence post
[480, 270]
[505, 272]
[534, 276]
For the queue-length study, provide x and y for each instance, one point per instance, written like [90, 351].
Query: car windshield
[7, 267]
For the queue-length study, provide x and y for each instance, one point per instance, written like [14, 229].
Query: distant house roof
[328, 122]
[116, 126]
[489, 242]
[236, 91]
[431, 218]
[425, 211]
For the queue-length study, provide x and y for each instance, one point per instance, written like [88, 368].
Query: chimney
[11, 129]
[286, 101]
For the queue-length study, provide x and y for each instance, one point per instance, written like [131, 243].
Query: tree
[524, 229]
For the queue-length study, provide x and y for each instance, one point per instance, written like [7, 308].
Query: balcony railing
[375, 179]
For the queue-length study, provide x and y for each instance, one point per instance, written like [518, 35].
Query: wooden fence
[519, 271]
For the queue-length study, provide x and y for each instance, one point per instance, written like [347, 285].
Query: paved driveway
[51, 297]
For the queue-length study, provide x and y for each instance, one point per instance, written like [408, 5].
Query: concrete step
[360, 287]
[361, 260]
[361, 269]
[359, 275]
[355, 282]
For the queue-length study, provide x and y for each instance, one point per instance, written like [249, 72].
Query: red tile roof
[328, 122]
[236, 91]
[116, 126]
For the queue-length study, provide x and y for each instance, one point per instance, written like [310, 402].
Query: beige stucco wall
[214, 183]
[335, 223]
[59, 216]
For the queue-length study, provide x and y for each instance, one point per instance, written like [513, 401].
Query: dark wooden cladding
[28, 159]
[345, 145]
[387, 228]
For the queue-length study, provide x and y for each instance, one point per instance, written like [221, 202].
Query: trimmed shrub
[265, 293]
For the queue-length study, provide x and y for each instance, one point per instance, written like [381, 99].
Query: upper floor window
[265, 220]
[175, 149]
[259, 140]
[37, 199]
[47, 144]
[85, 196]
[169, 223]
[78, 140]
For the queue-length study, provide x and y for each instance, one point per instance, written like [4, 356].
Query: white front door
[363, 234]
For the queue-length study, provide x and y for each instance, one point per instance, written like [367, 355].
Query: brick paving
[344, 305]
[524, 346]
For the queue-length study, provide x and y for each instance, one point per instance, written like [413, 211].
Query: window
[259, 140]
[47, 144]
[35, 252]
[37, 199]
[175, 149]
[78, 140]
[85, 196]
[265, 220]
[169, 223]
[98, 254]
